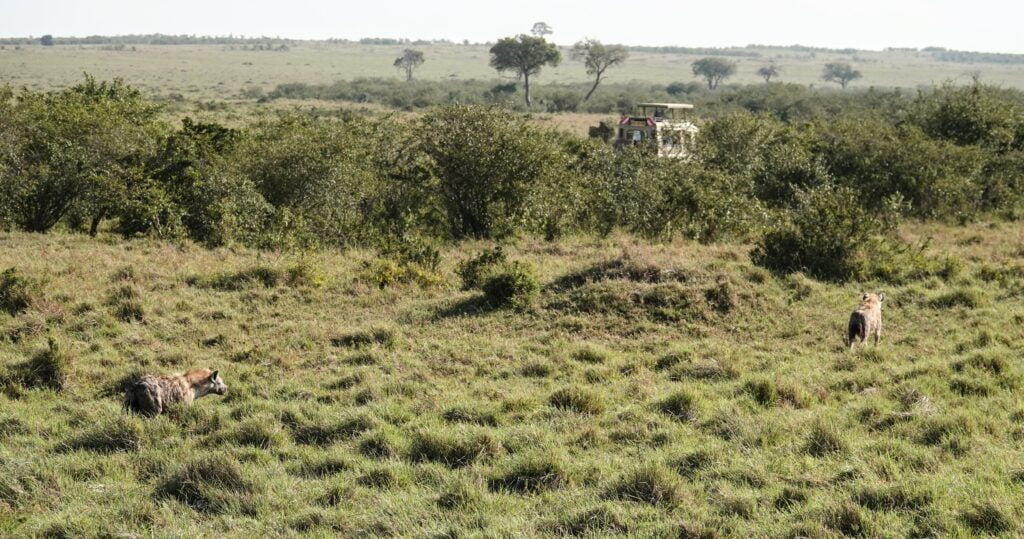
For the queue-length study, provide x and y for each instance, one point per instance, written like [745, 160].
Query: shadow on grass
[472, 306]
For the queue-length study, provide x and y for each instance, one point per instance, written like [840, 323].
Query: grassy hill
[651, 390]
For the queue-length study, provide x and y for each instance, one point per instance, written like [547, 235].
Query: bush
[487, 161]
[513, 285]
[476, 269]
[829, 235]
[16, 291]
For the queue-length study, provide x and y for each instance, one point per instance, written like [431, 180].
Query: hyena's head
[216, 384]
[873, 298]
[206, 381]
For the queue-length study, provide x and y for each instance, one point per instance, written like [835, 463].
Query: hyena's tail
[858, 328]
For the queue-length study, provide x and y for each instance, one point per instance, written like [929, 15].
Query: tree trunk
[594, 87]
[94, 225]
[526, 89]
[408, 73]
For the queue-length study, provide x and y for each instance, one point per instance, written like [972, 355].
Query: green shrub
[514, 285]
[487, 161]
[829, 235]
[16, 291]
[476, 269]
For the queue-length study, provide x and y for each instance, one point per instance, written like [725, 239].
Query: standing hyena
[867, 319]
[151, 394]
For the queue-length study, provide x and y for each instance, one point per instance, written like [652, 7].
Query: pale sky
[979, 25]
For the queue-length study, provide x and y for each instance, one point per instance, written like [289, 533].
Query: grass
[360, 411]
[215, 82]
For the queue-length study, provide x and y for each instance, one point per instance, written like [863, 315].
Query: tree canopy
[409, 61]
[769, 72]
[524, 55]
[840, 73]
[598, 57]
[541, 29]
[714, 70]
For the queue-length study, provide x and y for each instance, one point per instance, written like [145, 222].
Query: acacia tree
[769, 72]
[409, 61]
[541, 29]
[525, 56]
[840, 73]
[714, 70]
[598, 57]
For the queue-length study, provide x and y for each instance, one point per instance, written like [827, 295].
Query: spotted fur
[866, 320]
[152, 394]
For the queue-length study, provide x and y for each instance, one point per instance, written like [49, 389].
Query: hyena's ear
[881, 296]
[215, 375]
[865, 296]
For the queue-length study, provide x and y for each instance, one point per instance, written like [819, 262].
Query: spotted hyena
[866, 320]
[152, 394]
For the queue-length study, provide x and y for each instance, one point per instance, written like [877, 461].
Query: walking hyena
[867, 319]
[150, 394]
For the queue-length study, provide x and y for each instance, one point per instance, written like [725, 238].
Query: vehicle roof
[666, 105]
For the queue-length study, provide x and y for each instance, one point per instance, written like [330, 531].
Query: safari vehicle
[661, 126]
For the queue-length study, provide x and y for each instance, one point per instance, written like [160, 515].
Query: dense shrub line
[819, 192]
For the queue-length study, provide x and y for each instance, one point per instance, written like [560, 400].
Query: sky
[977, 25]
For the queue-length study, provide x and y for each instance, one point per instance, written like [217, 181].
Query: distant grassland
[223, 71]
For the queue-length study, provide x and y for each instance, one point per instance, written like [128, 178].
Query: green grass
[624, 401]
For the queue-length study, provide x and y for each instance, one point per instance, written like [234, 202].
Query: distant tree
[714, 70]
[409, 61]
[680, 88]
[840, 73]
[541, 29]
[769, 72]
[598, 57]
[525, 56]
[46, 41]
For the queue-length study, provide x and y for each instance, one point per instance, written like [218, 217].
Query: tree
[541, 29]
[714, 70]
[78, 149]
[488, 162]
[46, 41]
[769, 72]
[840, 73]
[409, 61]
[524, 55]
[598, 57]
